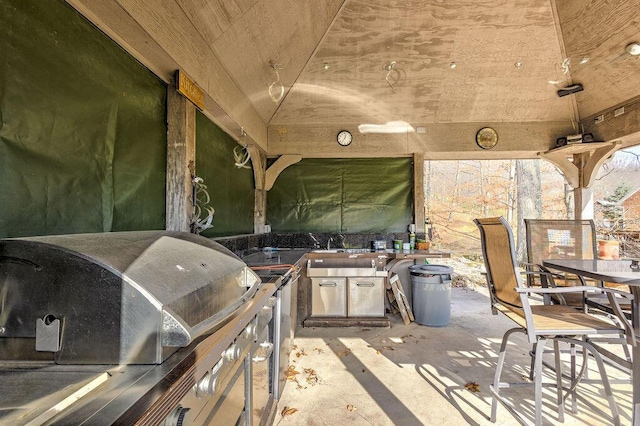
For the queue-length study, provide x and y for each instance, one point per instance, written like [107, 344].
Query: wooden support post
[259, 164]
[418, 191]
[181, 150]
[583, 203]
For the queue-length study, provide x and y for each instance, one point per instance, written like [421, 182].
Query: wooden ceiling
[333, 59]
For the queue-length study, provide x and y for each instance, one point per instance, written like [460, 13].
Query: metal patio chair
[539, 322]
[565, 239]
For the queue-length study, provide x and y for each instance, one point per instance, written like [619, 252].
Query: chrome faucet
[316, 243]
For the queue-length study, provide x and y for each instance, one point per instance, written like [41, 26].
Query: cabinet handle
[365, 284]
[328, 285]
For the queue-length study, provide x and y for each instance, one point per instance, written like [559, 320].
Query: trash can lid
[430, 270]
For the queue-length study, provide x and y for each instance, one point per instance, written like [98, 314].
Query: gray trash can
[431, 291]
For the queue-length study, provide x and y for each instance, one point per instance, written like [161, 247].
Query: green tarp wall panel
[82, 127]
[343, 195]
[231, 188]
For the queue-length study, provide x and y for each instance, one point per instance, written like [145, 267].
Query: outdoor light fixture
[388, 127]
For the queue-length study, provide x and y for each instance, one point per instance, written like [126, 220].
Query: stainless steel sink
[341, 272]
[328, 270]
[328, 251]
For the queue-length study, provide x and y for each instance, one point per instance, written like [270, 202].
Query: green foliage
[614, 211]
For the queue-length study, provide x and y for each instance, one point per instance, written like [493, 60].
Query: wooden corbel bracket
[276, 168]
[579, 163]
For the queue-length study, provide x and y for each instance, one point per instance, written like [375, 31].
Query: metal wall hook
[393, 75]
[276, 89]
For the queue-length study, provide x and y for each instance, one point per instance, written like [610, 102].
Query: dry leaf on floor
[389, 348]
[378, 352]
[301, 353]
[291, 373]
[287, 411]
[318, 350]
[345, 352]
[294, 347]
[407, 335]
[312, 376]
[472, 386]
[351, 407]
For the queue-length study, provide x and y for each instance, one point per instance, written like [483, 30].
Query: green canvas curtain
[82, 127]
[343, 195]
[231, 188]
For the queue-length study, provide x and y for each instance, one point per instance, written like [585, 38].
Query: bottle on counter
[412, 241]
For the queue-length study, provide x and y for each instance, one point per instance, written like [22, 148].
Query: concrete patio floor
[418, 375]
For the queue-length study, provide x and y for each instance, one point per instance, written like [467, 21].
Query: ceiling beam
[453, 141]
[625, 127]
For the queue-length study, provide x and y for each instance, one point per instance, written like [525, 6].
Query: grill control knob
[232, 353]
[250, 331]
[207, 386]
[177, 417]
[181, 416]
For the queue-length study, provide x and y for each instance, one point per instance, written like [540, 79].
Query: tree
[612, 210]
[529, 199]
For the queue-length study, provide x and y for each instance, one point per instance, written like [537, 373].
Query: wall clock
[486, 138]
[345, 138]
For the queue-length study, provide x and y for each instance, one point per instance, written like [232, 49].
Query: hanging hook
[393, 75]
[273, 87]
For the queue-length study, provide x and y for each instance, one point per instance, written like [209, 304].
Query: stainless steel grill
[106, 313]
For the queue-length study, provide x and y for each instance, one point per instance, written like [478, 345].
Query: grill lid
[121, 297]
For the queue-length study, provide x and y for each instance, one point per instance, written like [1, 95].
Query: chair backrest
[559, 239]
[499, 254]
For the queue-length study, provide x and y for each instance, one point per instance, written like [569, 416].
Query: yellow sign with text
[190, 90]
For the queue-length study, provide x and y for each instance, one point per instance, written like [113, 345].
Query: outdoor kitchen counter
[296, 256]
[389, 261]
[389, 255]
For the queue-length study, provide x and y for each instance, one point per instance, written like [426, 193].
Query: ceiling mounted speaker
[569, 90]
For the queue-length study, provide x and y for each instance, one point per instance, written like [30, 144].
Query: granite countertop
[274, 257]
[292, 256]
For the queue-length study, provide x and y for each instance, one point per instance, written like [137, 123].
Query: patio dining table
[619, 272]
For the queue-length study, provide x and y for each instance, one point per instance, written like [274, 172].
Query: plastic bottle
[412, 241]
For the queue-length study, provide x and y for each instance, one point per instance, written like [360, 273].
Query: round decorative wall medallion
[486, 138]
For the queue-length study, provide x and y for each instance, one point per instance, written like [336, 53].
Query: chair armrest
[611, 296]
[579, 288]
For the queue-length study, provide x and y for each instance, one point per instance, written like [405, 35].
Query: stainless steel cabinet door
[329, 297]
[366, 297]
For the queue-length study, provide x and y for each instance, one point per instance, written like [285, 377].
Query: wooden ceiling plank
[600, 30]
[168, 25]
[212, 18]
[279, 31]
[485, 40]
[311, 57]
